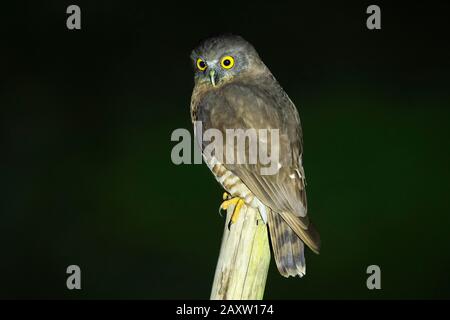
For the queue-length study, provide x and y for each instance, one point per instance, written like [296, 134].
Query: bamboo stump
[244, 258]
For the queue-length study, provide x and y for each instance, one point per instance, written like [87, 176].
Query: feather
[309, 235]
[288, 249]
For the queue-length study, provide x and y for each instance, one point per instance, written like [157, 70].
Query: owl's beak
[212, 77]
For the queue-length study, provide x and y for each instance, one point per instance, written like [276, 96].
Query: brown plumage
[247, 96]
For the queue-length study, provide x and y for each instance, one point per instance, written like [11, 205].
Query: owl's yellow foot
[236, 211]
[228, 201]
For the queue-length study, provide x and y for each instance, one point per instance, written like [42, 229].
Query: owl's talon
[224, 206]
[228, 201]
[236, 212]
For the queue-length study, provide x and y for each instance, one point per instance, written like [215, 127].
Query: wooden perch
[244, 258]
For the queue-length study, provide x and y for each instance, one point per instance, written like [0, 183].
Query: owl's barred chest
[235, 187]
[240, 105]
[201, 110]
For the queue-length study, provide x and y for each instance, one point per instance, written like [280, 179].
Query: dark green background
[86, 174]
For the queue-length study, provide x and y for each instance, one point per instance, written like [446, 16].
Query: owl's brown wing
[264, 105]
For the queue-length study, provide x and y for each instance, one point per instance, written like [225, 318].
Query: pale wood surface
[244, 258]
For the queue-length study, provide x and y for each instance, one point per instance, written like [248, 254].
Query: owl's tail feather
[287, 247]
[304, 229]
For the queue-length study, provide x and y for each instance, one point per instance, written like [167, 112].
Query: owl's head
[220, 59]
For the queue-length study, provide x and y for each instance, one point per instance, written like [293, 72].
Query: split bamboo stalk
[244, 258]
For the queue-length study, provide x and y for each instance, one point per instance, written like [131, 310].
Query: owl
[234, 90]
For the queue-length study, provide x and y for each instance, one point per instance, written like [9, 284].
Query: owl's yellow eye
[227, 62]
[201, 65]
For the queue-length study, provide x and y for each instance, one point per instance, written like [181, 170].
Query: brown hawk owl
[235, 90]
